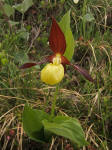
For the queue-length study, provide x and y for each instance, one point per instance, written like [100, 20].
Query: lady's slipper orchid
[53, 72]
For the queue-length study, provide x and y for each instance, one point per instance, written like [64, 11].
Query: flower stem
[54, 101]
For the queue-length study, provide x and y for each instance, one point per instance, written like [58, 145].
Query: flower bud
[75, 1]
[52, 74]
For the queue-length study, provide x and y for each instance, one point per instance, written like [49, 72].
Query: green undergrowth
[24, 38]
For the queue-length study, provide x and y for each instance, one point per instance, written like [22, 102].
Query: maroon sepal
[83, 72]
[57, 40]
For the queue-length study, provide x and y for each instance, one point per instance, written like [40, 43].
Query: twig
[36, 35]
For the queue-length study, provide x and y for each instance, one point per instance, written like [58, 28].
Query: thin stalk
[22, 24]
[83, 13]
[54, 101]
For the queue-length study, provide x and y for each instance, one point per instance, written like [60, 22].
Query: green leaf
[24, 6]
[88, 17]
[70, 43]
[60, 119]
[8, 10]
[32, 123]
[13, 23]
[23, 34]
[21, 57]
[4, 61]
[67, 127]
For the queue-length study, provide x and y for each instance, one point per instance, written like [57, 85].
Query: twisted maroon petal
[31, 64]
[83, 72]
[27, 65]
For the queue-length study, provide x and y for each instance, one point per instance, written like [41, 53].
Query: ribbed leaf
[67, 127]
[65, 26]
[32, 123]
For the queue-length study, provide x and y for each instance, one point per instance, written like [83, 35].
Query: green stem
[22, 24]
[54, 101]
